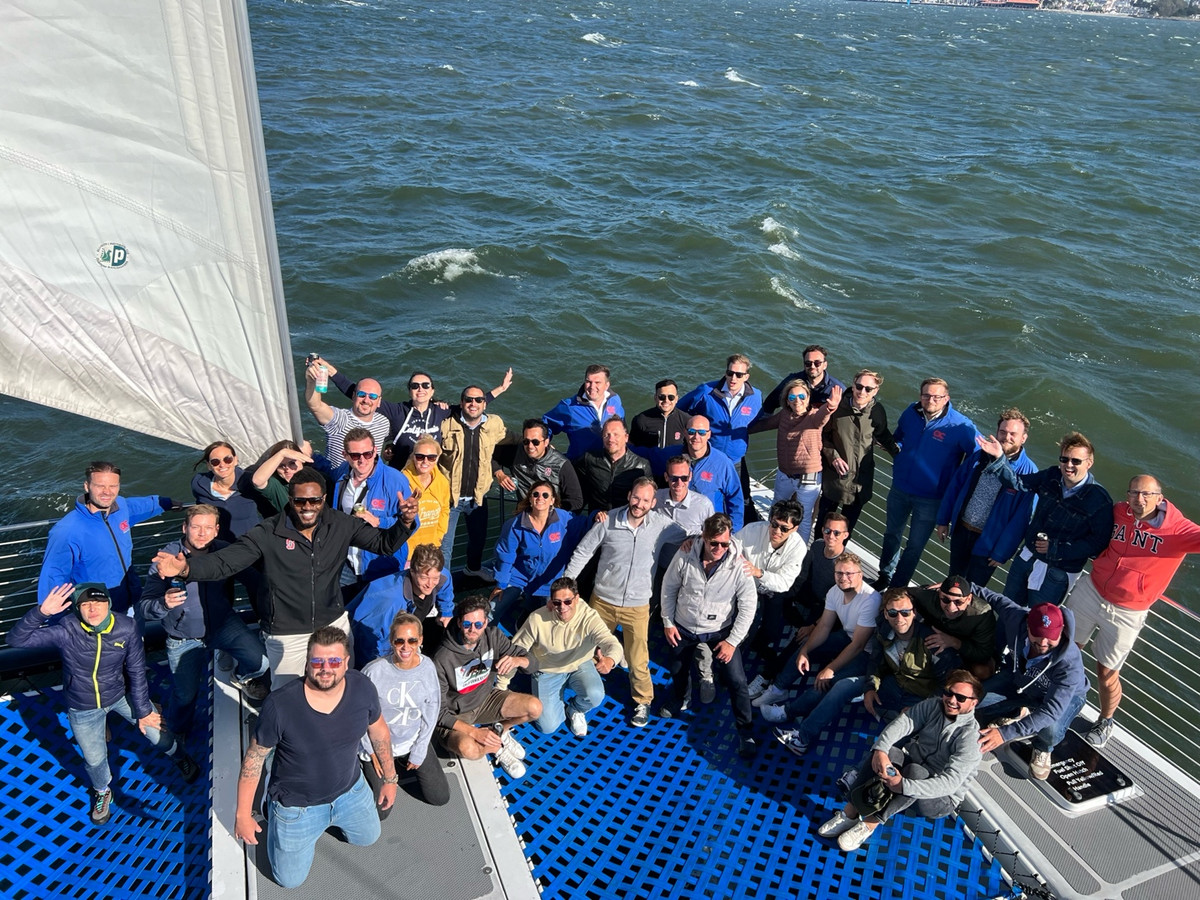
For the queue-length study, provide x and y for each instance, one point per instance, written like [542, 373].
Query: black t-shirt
[316, 754]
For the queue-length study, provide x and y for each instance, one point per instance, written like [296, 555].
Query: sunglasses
[953, 599]
[1072, 461]
[541, 495]
[813, 363]
[792, 397]
[717, 545]
[935, 396]
[400, 642]
[425, 457]
[700, 431]
[866, 388]
[961, 698]
[894, 613]
[560, 603]
[370, 394]
[219, 460]
[420, 385]
[307, 501]
[666, 396]
[289, 464]
[729, 373]
[471, 625]
[782, 526]
[478, 399]
[832, 531]
[532, 442]
[679, 478]
[365, 454]
[326, 662]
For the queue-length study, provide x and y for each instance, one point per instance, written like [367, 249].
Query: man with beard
[314, 725]
[536, 460]
[302, 550]
[94, 543]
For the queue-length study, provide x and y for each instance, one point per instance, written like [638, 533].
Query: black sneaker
[186, 765]
[99, 805]
[256, 689]
[881, 582]
[747, 747]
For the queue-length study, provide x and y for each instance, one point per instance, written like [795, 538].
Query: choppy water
[1005, 199]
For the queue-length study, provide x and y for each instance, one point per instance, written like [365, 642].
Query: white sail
[139, 277]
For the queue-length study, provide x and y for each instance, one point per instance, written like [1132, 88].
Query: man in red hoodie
[1149, 541]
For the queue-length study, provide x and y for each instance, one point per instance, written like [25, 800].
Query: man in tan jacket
[469, 439]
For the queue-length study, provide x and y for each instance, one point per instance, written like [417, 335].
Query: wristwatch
[393, 779]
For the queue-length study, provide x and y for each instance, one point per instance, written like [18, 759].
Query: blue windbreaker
[930, 451]
[729, 432]
[578, 419]
[1010, 513]
[532, 561]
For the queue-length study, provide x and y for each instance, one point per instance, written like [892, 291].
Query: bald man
[336, 422]
[1149, 541]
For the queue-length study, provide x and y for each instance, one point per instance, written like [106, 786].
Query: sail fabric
[139, 278]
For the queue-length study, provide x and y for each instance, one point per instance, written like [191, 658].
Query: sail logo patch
[112, 256]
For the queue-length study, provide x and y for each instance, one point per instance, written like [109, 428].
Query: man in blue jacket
[730, 404]
[94, 541]
[1072, 523]
[365, 488]
[984, 518]
[934, 439]
[104, 670]
[1039, 673]
[582, 416]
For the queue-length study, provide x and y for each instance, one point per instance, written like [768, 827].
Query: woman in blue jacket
[533, 549]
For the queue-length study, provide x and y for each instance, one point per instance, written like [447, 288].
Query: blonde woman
[430, 485]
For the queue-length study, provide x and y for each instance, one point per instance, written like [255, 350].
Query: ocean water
[1002, 198]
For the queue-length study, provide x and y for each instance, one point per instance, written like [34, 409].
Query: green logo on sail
[112, 256]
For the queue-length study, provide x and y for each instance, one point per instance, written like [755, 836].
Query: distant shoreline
[1076, 12]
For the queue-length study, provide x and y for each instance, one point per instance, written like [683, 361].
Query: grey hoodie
[948, 748]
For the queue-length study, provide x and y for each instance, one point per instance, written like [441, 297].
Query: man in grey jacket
[932, 769]
[628, 540]
[709, 599]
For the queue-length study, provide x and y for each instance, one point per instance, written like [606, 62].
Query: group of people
[627, 529]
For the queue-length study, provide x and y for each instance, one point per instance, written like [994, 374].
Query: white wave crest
[791, 294]
[600, 40]
[782, 249]
[774, 227]
[446, 67]
[731, 74]
[446, 265]
[690, 83]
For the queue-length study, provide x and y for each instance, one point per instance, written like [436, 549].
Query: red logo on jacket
[745, 410]
[289, 544]
[125, 525]
[377, 503]
[939, 435]
[555, 537]
[706, 476]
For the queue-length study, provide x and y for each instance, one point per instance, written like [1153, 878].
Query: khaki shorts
[486, 714]
[1118, 628]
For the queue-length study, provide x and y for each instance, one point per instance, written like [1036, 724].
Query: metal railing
[1161, 677]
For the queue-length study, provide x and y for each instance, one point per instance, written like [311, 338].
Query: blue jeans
[807, 495]
[292, 831]
[818, 659]
[87, 725]
[1054, 586]
[476, 516]
[900, 507]
[513, 607]
[814, 703]
[1050, 736]
[548, 687]
[188, 659]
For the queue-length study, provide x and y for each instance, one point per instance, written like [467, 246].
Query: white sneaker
[774, 713]
[577, 723]
[1039, 765]
[839, 824]
[510, 744]
[854, 837]
[769, 697]
[512, 766]
[792, 740]
[641, 715]
[757, 686]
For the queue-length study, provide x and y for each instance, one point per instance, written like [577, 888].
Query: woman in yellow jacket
[430, 485]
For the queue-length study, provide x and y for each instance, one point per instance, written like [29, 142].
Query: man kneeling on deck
[477, 717]
[931, 768]
[314, 725]
[573, 648]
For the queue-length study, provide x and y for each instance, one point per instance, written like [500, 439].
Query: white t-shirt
[863, 609]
